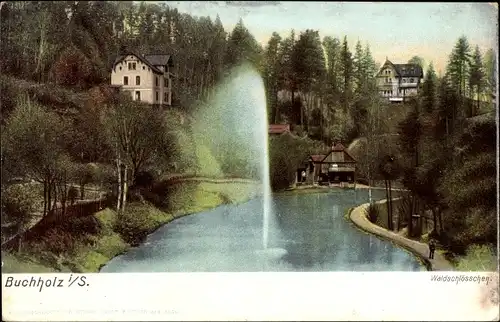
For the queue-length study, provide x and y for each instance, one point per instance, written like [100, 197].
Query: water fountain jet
[234, 125]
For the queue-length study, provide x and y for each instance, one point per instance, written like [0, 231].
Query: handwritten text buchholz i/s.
[41, 282]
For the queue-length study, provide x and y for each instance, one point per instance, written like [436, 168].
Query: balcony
[408, 85]
[388, 84]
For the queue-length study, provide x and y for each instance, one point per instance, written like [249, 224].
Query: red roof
[318, 157]
[338, 147]
[279, 128]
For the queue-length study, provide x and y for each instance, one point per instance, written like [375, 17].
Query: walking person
[432, 248]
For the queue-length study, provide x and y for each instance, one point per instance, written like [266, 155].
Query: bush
[478, 258]
[81, 226]
[372, 213]
[18, 205]
[138, 221]
[56, 241]
[144, 179]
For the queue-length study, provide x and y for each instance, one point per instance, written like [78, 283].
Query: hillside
[61, 99]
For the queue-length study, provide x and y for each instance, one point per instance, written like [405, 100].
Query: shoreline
[357, 216]
[175, 217]
[110, 243]
[117, 246]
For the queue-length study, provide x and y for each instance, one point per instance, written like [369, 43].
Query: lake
[308, 233]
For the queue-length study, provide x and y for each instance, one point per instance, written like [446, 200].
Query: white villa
[397, 82]
[148, 78]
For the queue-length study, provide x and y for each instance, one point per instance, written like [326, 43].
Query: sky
[397, 31]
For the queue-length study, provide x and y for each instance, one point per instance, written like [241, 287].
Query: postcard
[249, 160]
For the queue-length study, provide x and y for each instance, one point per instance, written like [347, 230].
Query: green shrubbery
[138, 221]
[479, 258]
[287, 152]
[18, 205]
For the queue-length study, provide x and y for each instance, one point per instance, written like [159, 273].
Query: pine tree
[242, 47]
[347, 69]
[271, 72]
[309, 65]
[490, 69]
[429, 91]
[359, 70]
[458, 66]
[476, 77]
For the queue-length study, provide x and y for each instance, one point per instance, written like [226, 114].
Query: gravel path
[439, 263]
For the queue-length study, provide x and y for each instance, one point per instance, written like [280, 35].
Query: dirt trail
[439, 263]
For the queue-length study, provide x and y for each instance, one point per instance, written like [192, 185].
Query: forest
[61, 124]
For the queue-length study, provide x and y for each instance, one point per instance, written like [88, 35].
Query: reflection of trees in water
[319, 238]
[367, 251]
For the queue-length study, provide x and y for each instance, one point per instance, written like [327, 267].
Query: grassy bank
[86, 245]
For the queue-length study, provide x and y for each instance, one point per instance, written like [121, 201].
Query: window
[120, 68]
[137, 80]
[125, 80]
[143, 67]
[165, 96]
[157, 81]
[411, 80]
[404, 80]
[131, 66]
[137, 96]
[157, 96]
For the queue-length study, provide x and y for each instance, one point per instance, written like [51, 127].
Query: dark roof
[157, 60]
[338, 147]
[409, 70]
[279, 128]
[406, 70]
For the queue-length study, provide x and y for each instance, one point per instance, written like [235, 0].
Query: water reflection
[310, 234]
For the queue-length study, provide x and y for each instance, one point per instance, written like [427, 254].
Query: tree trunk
[20, 241]
[301, 111]
[64, 193]
[400, 213]
[125, 188]
[440, 216]
[54, 207]
[200, 92]
[434, 217]
[387, 204]
[391, 227]
[410, 215]
[49, 195]
[118, 201]
[45, 197]
[277, 112]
